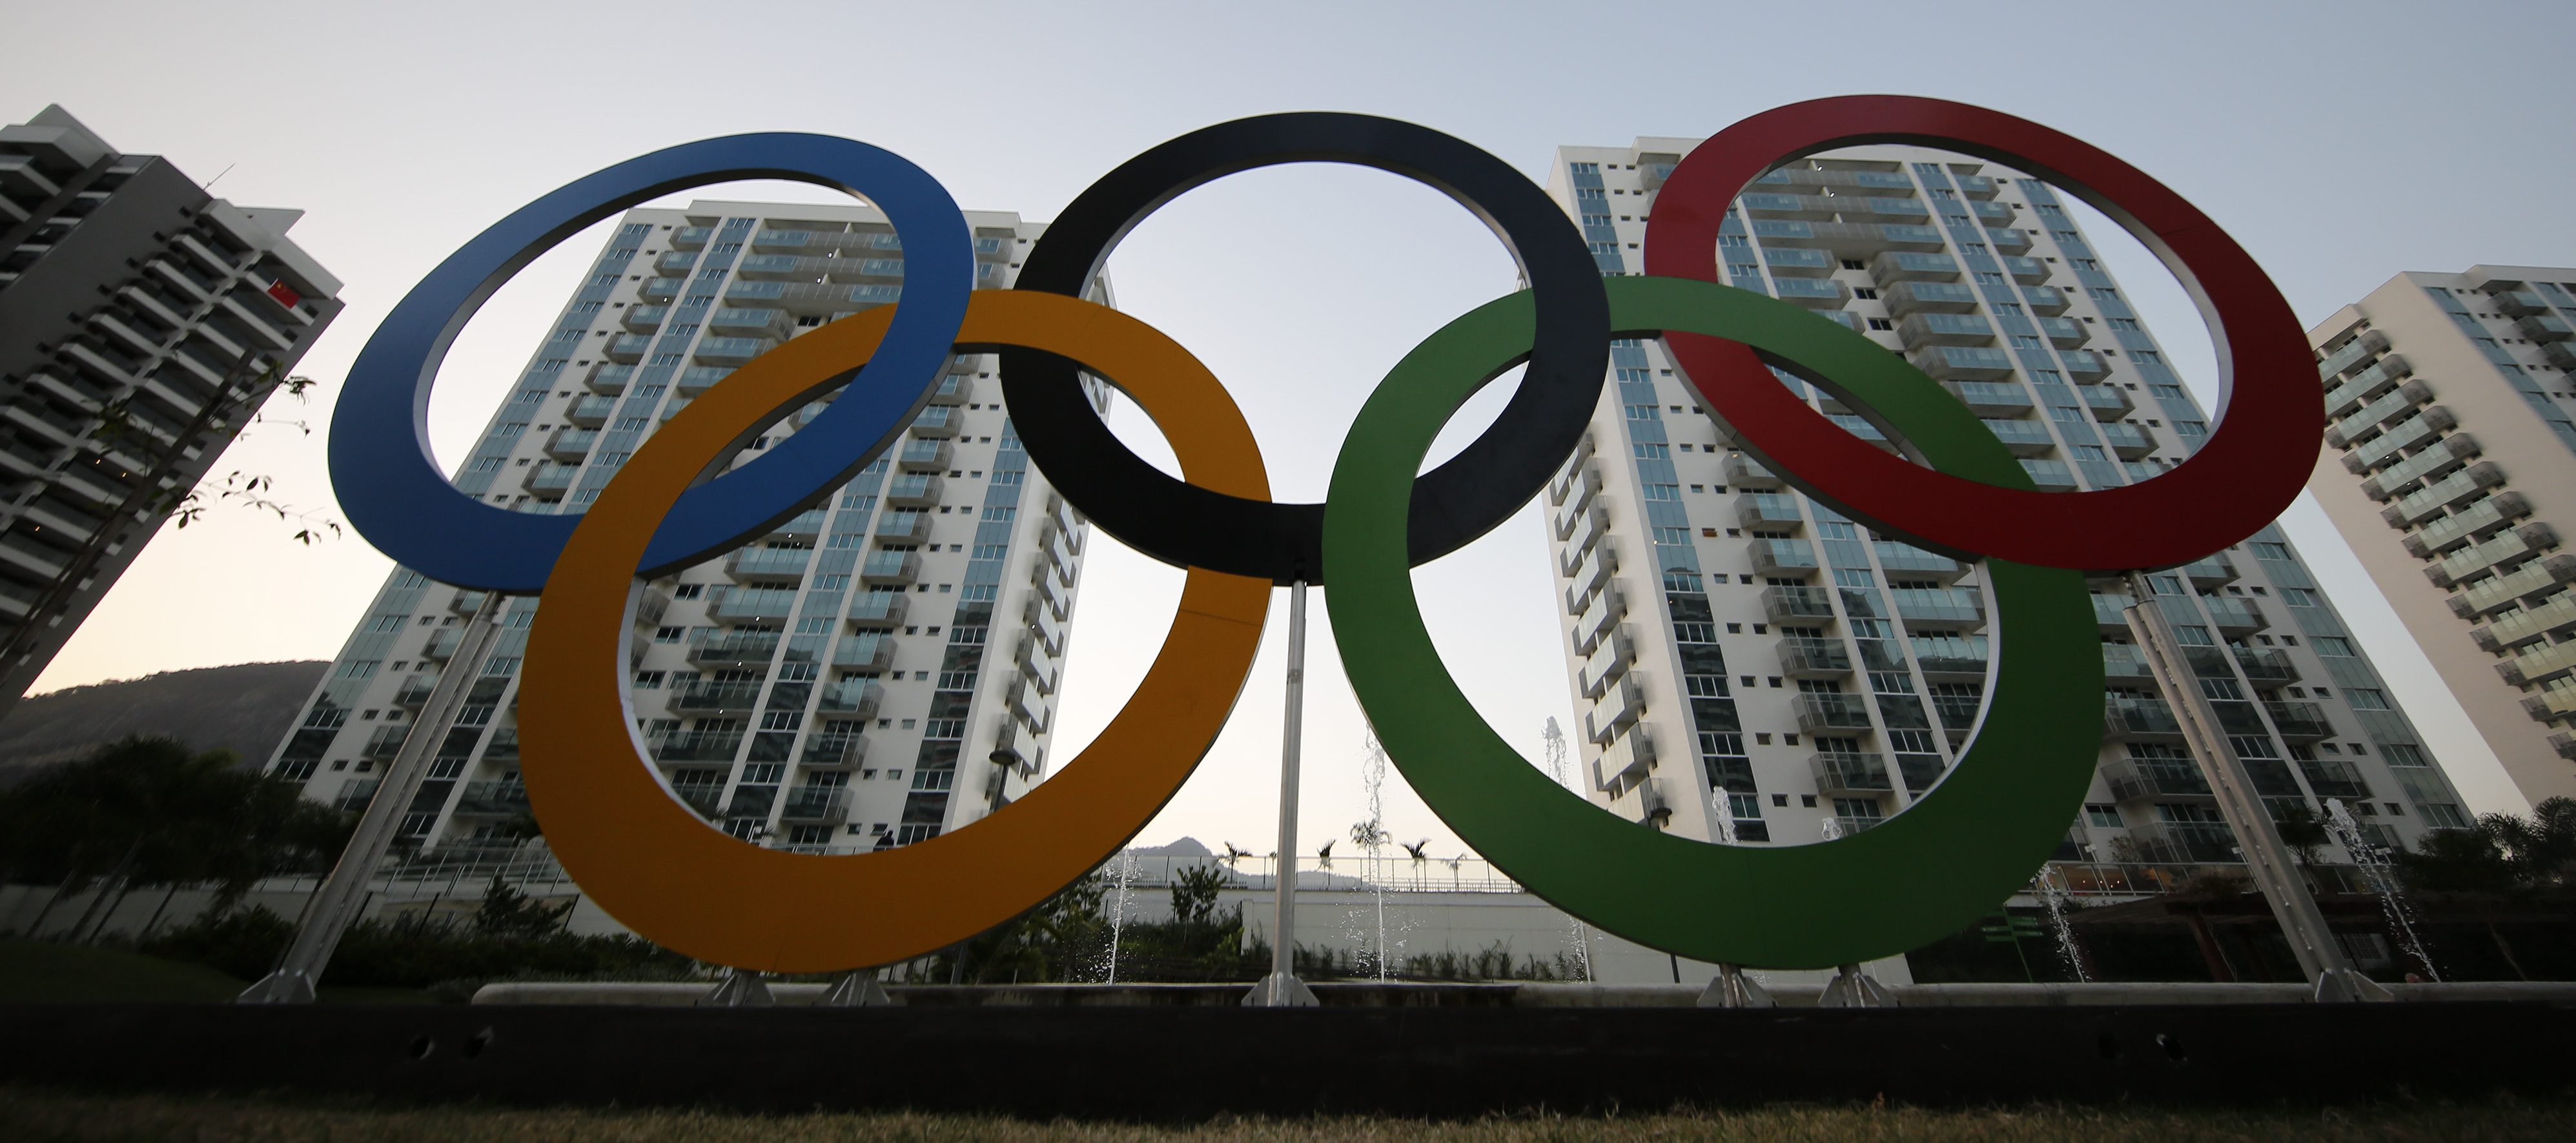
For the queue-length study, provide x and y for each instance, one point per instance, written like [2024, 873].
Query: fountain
[1118, 915]
[2374, 863]
[1553, 737]
[2053, 895]
[1371, 834]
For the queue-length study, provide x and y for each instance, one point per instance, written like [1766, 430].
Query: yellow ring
[673, 879]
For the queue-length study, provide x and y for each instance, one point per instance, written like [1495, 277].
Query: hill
[246, 708]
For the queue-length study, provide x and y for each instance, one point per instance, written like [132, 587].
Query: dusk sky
[2339, 143]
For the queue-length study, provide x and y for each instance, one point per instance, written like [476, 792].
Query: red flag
[285, 294]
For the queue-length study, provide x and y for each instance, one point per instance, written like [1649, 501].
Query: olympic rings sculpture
[1948, 859]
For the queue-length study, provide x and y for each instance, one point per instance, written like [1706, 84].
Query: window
[1663, 492]
[2102, 815]
[2302, 597]
[2335, 645]
[2365, 698]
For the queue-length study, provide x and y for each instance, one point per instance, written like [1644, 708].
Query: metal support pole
[1282, 989]
[336, 903]
[2266, 858]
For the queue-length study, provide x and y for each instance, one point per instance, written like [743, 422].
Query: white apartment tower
[879, 669]
[141, 321]
[2450, 468]
[1749, 664]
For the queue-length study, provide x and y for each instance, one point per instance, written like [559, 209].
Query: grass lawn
[29, 1116]
[35, 970]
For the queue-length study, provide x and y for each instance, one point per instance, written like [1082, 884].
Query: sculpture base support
[1731, 988]
[2348, 986]
[1852, 988]
[1280, 990]
[859, 989]
[740, 990]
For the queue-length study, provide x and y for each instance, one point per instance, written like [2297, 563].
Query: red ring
[2253, 463]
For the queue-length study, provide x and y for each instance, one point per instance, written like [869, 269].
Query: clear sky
[2340, 143]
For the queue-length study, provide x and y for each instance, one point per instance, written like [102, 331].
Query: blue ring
[390, 485]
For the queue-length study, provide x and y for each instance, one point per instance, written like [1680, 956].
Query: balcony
[834, 750]
[1900, 558]
[1903, 266]
[609, 379]
[497, 799]
[2540, 662]
[2299, 720]
[1907, 298]
[2210, 571]
[1841, 773]
[865, 652]
[768, 565]
[2265, 665]
[626, 348]
[1617, 709]
[2551, 705]
[938, 421]
[643, 319]
[891, 568]
[1632, 753]
[1745, 472]
[953, 389]
[1587, 534]
[735, 649]
[1963, 363]
[1952, 607]
[414, 690]
[1991, 398]
[903, 525]
[2518, 303]
[2198, 843]
[2147, 780]
[2506, 550]
[2026, 271]
[355, 793]
[920, 455]
[880, 609]
[2131, 716]
[2086, 365]
[1929, 329]
[1813, 293]
[1792, 558]
[1590, 574]
[1609, 659]
[549, 480]
[698, 746]
[2235, 616]
[442, 645]
[697, 379]
[1824, 713]
[2334, 778]
[815, 804]
[705, 697]
[2046, 301]
[915, 490]
[731, 351]
[2127, 440]
[2065, 333]
[1595, 621]
[1955, 657]
[857, 698]
[591, 411]
[751, 321]
[1810, 658]
[2023, 438]
[2495, 592]
[386, 742]
[1769, 511]
[1800, 605]
[570, 444]
[752, 604]
[2447, 494]
[2107, 403]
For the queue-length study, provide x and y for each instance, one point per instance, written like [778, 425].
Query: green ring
[1947, 860]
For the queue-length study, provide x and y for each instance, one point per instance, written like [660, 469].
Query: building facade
[877, 670]
[141, 321]
[1751, 666]
[2450, 468]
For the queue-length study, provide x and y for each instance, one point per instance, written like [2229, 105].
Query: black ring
[1474, 492]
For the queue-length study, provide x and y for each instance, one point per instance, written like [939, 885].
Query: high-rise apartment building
[1749, 664]
[141, 319]
[877, 670]
[2449, 467]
